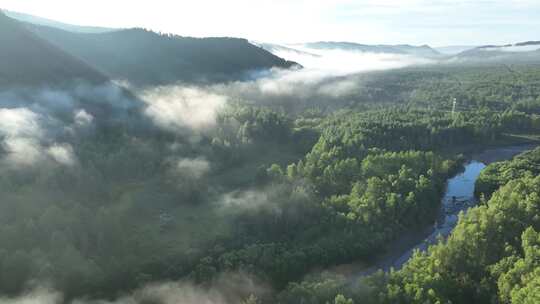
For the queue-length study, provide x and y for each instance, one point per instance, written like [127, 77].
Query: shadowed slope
[26, 59]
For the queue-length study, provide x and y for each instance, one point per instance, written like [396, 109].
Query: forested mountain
[147, 58]
[27, 59]
[421, 51]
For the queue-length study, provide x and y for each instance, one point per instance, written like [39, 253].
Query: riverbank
[458, 197]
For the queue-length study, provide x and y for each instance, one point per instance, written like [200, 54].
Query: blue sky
[435, 22]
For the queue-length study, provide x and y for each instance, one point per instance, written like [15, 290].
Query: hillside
[147, 58]
[26, 59]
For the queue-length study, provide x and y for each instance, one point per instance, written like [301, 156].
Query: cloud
[21, 133]
[22, 151]
[338, 88]
[193, 167]
[24, 139]
[268, 199]
[330, 75]
[38, 296]
[327, 75]
[244, 199]
[228, 288]
[82, 118]
[339, 62]
[62, 154]
[36, 124]
[19, 122]
[177, 108]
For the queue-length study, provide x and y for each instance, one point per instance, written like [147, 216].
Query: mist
[26, 139]
[338, 62]
[176, 108]
[228, 288]
[326, 75]
[36, 296]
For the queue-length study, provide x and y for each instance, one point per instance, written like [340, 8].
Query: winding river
[459, 196]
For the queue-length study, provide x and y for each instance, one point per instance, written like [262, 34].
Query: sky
[433, 22]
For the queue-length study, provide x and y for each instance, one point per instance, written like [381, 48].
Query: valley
[140, 167]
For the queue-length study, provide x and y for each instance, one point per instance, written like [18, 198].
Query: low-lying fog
[326, 75]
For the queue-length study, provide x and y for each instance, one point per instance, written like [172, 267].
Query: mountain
[26, 59]
[147, 58]
[351, 46]
[529, 50]
[403, 49]
[529, 43]
[420, 51]
[52, 23]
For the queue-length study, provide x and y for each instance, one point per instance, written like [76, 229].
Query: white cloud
[62, 154]
[193, 167]
[328, 75]
[22, 151]
[24, 139]
[226, 289]
[83, 118]
[242, 200]
[339, 88]
[38, 296]
[342, 62]
[19, 122]
[20, 133]
[176, 108]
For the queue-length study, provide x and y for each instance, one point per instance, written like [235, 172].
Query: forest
[139, 205]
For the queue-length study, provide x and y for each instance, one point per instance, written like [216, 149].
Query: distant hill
[529, 50]
[60, 25]
[527, 43]
[26, 59]
[421, 51]
[404, 49]
[147, 58]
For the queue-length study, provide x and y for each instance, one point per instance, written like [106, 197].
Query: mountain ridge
[527, 50]
[145, 57]
[401, 49]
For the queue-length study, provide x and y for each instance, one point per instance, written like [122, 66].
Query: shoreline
[423, 238]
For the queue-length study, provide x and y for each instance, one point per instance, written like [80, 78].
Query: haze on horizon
[437, 22]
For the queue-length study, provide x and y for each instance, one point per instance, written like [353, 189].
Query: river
[459, 196]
